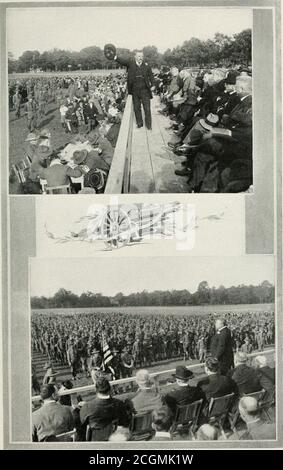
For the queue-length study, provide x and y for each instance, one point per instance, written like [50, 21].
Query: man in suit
[140, 84]
[257, 429]
[214, 384]
[100, 412]
[90, 113]
[147, 398]
[183, 394]
[266, 375]
[52, 418]
[221, 346]
[245, 377]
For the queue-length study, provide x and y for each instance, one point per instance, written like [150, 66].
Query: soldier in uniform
[72, 358]
[127, 361]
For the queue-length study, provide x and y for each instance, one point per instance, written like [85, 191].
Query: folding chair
[141, 427]
[64, 189]
[97, 432]
[267, 402]
[187, 416]
[218, 409]
[66, 436]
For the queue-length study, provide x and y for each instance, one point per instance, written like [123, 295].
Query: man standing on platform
[221, 346]
[140, 82]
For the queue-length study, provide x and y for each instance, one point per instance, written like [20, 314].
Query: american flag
[107, 355]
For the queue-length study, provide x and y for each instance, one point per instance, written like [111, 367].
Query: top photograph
[130, 100]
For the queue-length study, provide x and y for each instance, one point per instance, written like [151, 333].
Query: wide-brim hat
[93, 137]
[195, 137]
[210, 121]
[183, 373]
[79, 156]
[109, 51]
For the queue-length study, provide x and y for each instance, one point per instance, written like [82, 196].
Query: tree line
[204, 295]
[221, 50]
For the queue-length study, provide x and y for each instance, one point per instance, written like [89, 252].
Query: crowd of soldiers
[32, 95]
[137, 340]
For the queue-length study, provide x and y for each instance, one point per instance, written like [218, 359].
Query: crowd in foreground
[237, 405]
[90, 110]
[211, 116]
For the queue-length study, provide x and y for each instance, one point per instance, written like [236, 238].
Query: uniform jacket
[131, 67]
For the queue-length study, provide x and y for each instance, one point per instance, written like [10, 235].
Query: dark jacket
[102, 412]
[266, 376]
[131, 68]
[221, 348]
[183, 396]
[216, 385]
[246, 379]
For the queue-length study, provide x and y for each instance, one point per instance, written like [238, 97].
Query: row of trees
[204, 295]
[220, 50]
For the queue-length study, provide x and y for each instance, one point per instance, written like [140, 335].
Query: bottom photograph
[179, 349]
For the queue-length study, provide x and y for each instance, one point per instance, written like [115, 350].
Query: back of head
[206, 432]
[248, 407]
[102, 386]
[143, 378]
[162, 419]
[212, 364]
[47, 391]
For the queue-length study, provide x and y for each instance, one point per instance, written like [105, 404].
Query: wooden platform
[152, 163]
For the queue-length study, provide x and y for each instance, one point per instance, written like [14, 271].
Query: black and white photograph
[126, 351]
[152, 102]
[144, 315]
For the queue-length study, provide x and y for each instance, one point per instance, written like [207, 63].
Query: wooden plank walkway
[152, 164]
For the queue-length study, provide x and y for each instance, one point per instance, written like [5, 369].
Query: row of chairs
[219, 411]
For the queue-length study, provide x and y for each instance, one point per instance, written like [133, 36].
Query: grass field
[189, 310]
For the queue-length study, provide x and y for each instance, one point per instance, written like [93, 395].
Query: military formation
[138, 340]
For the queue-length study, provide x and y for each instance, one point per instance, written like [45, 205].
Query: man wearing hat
[183, 394]
[215, 385]
[147, 398]
[50, 374]
[244, 376]
[140, 82]
[52, 418]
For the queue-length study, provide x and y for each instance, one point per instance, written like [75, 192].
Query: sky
[126, 275]
[74, 28]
